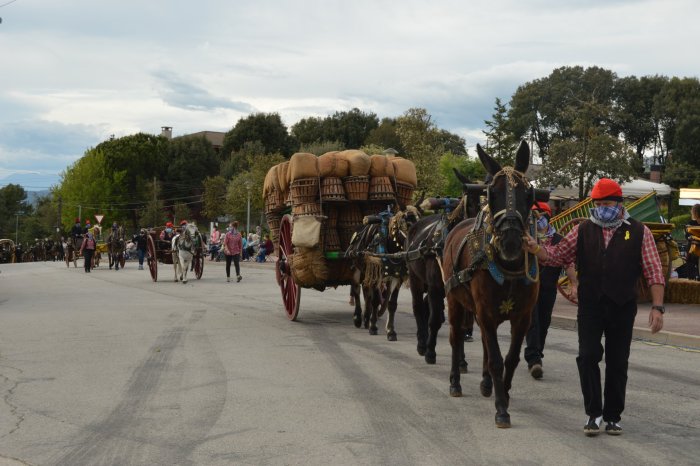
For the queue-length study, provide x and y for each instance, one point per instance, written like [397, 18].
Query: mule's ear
[492, 167]
[522, 157]
[463, 179]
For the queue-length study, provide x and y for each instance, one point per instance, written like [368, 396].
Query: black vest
[611, 271]
[549, 275]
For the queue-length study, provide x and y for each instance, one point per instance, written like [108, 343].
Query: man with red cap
[77, 231]
[167, 235]
[549, 276]
[612, 251]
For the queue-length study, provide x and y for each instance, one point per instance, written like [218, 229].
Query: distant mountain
[33, 196]
[31, 181]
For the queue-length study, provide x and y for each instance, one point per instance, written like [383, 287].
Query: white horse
[184, 249]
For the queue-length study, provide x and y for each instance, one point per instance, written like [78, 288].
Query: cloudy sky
[74, 72]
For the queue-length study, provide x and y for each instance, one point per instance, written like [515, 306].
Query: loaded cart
[158, 250]
[313, 207]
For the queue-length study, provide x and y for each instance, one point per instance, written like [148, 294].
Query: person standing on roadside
[141, 243]
[233, 245]
[612, 251]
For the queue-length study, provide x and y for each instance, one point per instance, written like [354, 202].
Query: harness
[482, 243]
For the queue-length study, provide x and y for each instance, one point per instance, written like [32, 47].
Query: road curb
[642, 334]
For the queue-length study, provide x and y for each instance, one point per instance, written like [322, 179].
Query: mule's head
[510, 197]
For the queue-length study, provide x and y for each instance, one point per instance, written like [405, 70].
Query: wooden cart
[157, 251]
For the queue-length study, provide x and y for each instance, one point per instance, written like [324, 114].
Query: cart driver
[166, 236]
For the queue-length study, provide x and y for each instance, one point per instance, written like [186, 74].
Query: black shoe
[613, 428]
[536, 370]
[592, 427]
[238, 279]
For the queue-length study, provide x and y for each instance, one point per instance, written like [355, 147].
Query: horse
[424, 244]
[380, 267]
[71, 248]
[487, 271]
[184, 247]
[115, 246]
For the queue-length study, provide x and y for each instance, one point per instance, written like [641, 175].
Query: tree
[536, 107]
[153, 213]
[421, 141]
[681, 175]
[633, 112]
[321, 147]
[12, 201]
[267, 128]
[385, 135]
[181, 211]
[676, 108]
[237, 188]
[238, 161]
[499, 138]
[214, 197]
[472, 169]
[351, 129]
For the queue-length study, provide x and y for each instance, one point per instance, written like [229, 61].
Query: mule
[115, 247]
[487, 271]
[379, 267]
[184, 248]
[71, 248]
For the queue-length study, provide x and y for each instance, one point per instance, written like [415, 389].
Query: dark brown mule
[424, 244]
[495, 240]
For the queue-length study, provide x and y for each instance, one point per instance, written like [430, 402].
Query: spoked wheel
[291, 292]
[151, 258]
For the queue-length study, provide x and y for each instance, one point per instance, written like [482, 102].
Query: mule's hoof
[391, 336]
[430, 357]
[455, 391]
[357, 322]
[373, 331]
[184, 282]
[421, 350]
[485, 388]
[503, 421]
[463, 367]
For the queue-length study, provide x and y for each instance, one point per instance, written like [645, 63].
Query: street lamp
[248, 185]
[17, 225]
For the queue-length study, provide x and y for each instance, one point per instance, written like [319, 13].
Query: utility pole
[58, 222]
[80, 212]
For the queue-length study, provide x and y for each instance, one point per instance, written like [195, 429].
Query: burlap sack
[329, 164]
[303, 165]
[283, 177]
[358, 162]
[404, 170]
[307, 231]
[380, 165]
[270, 180]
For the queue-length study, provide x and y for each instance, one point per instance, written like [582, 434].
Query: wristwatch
[661, 309]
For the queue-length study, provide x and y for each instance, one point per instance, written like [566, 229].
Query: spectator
[693, 244]
[233, 245]
[214, 242]
[141, 241]
[266, 248]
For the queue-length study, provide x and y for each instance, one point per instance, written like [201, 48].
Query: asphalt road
[113, 369]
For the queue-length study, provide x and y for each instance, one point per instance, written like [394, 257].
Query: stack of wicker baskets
[341, 187]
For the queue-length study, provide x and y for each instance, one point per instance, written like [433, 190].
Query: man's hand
[656, 321]
[530, 243]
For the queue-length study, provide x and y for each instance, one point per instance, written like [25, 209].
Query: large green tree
[677, 107]
[12, 203]
[267, 128]
[421, 140]
[500, 142]
[351, 128]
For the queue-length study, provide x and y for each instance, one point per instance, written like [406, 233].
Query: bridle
[512, 178]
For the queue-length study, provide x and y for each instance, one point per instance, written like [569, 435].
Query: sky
[75, 72]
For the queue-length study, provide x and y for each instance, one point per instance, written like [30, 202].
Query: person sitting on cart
[77, 231]
[166, 236]
[88, 226]
[183, 225]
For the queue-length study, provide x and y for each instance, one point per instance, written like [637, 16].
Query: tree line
[582, 123]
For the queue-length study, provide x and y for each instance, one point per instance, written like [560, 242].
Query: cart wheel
[291, 292]
[122, 260]
[569, 225]
[151, 258]
[198, 265]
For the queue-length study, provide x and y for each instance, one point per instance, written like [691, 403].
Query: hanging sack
[306, 231]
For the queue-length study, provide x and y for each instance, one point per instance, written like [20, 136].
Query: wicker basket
[331, 240]
[404, 193]
[380, 189]
[304, 191]
[273, 222]
[307, 209]
[350, 217]
[332, 189]
[345, 235]
[331, 214]
[356, 187]
[274, 201]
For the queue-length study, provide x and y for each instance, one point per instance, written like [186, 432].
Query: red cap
[606, 189]
[169, 224]
[542, 207]
[77, 220]
[183, 222]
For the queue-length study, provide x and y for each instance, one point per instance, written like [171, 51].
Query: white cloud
[77, 71]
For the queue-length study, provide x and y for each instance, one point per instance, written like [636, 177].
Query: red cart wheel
[291, 292]
[151, 258]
